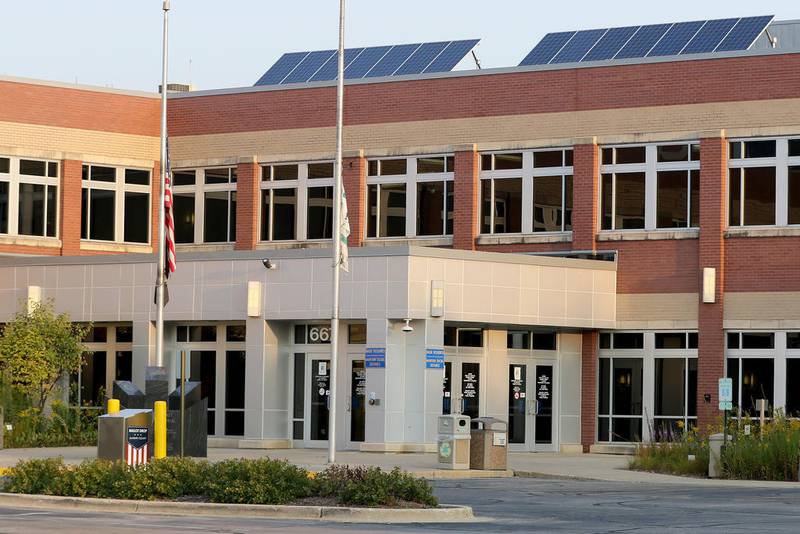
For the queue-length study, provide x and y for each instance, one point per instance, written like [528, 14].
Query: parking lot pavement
[502, 505]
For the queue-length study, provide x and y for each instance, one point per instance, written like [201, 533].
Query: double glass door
[461, 388]
[312, 400]
[531, 406]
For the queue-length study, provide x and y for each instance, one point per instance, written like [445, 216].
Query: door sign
[434, 359]
[375, 357]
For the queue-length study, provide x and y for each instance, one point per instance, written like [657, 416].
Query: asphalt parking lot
[502, 505]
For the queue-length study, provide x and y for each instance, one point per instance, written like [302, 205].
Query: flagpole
[161, 214]
[337, 245]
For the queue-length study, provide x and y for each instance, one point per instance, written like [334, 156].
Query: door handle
[347, 405]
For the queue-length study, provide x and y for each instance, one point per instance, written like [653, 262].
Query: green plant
[771, 452]
[681, 452]
[261, 481]
[38, 348]
[363, 486]
[64, 426]
[40, 476]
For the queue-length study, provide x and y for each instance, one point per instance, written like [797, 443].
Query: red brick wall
[610, 87]
[663, 266]
[78, 108]
[466, 212]
[711, 350]
[588, 389]
[762, 264]
[248, 191]
[525, 247]
[70, 192]
[585, 185]
[354, 180]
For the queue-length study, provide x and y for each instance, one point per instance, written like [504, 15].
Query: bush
[262, 481]
[768, 453]
[66, 426]
[671, 456]
[362, 486]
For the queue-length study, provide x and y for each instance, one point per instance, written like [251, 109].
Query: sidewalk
[603, 467]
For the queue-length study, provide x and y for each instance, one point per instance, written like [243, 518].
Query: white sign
[725, 390]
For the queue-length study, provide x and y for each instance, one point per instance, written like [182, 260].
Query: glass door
[531, 407]
[461, 388]
[356, 408]
[319, 394]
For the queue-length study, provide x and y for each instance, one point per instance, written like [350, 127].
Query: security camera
[269, 265]
[407, 327]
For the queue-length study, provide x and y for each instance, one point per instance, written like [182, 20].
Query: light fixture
[269, 265]
[408, 328]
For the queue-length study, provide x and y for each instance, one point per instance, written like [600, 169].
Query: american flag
[136, 455]
[168, 222]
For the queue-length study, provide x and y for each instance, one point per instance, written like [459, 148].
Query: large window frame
[611, 168]
[119, 188]
[739, 161]
[533, 164]
[419, 171]
[199, 190]
[12, 179]
[116, 349]
[273, 184]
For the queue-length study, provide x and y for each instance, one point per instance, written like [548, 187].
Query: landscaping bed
[239, 481]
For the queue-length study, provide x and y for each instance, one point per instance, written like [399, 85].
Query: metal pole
[337, 245]
[162, 185]
[183, 398]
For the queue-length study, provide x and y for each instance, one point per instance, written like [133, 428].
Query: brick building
[547, 226]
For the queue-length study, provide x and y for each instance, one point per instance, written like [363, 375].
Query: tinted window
[320, 170]
[32, 168]
[628, 340]
[137, 177]
[633, 154]
[137, 207]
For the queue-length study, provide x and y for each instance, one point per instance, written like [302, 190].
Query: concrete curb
[446, 474]
[444, 514]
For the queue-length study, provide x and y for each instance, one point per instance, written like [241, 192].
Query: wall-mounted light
[709, 285]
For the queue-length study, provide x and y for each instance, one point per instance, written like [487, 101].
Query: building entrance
[531, 406]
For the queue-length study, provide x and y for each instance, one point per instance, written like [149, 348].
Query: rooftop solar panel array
[681, 38]
[321, 65]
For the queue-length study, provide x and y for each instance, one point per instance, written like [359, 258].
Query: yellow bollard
[113, 406]
[160, 430]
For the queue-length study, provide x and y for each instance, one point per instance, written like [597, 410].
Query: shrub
[262, 481]
[41, 476]
[672, 455]
[768, 453]
[65, 426]
[362, 486]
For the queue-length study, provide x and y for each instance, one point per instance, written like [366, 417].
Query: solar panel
[329, 70]
[709, 36]
[365, 61]
[744, 34]
[547, 48]
[676, 38]
[310, 65]
[421, 58]
[393, 59]
[451, 56]
[643, 41]
[577, 47]
[610, 43]
[281, 68]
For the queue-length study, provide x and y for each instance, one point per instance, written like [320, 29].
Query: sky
[230, 43]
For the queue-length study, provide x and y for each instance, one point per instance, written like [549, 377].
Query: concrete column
[378, 415]
[588, 389]
[711, 336]
[466, 195]
[585, 190]
[248, 191]
[144, 340]
[267, 384]
[494, 389]
[354, 179]
[70, 193]
[433, 379]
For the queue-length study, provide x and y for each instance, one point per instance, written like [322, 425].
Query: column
[144, 340]
[354, 179]
[585, 188]
[588, 388]
[466, 212]
[711, 336]
[248, 189]
[70, 197]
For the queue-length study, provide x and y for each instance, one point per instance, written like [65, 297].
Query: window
[752, 196]
[675, 396]
[204, 205]
[279, 186]
[115, 204]
[357, 334]
[435, 208]
[109, 358]
[387, 167]
[620, 399]
[753, 379]
[792, 391]
[650, 187]
[676, 340]
[320, 212]
[621, 340]
[501, 205]
[463, 337]
[752, 340]
[552, 203]
[235, 332]
[312, 334]
[387, 210]
[196, 333]
[28, 197]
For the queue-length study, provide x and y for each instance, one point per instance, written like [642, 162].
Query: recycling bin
[454, 440]
[488, 447]
[126, 436]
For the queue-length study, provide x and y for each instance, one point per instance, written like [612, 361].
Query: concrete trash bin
[453, 444]
[488, 447]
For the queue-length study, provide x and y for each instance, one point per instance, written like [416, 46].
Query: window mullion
[13, 197]
[650, 201]
[782, 182]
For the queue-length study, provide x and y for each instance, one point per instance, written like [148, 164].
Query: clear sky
[230, 43]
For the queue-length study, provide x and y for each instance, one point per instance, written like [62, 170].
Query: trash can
[126, 435]
[454, 439]
[488, 448]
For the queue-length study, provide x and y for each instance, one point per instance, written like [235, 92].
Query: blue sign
[434, 359]
[375, 357]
